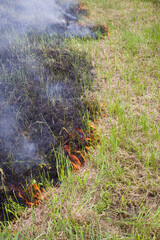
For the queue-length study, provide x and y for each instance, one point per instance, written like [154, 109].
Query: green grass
[116, 194]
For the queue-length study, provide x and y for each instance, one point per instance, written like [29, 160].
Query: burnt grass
[41, 93]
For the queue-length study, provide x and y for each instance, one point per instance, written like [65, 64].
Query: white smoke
[19, 17]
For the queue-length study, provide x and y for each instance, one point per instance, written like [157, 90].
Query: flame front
[30, 196]
[82, 143]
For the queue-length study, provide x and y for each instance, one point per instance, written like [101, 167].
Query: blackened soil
[41, 92]
[40, 95]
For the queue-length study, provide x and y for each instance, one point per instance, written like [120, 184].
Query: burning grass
[41, 92]
[77, 144]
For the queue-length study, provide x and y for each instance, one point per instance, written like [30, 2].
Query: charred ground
[42, 90]
[41, 93]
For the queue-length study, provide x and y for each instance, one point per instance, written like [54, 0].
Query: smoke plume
[18, 17]
[20, 75]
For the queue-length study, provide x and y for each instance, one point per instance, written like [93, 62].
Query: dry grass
[128, 82]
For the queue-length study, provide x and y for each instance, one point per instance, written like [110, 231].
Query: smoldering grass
[31, 76]
[63, 164]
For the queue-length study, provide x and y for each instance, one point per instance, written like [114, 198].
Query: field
[115, 194]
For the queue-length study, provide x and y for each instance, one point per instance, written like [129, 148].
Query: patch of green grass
[129, 88]
[152, 36]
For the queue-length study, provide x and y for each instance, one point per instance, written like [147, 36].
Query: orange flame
[72, 157]
[84, 7]
[85, 143]
[33, 191]
[107, 30]
[75, 166]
